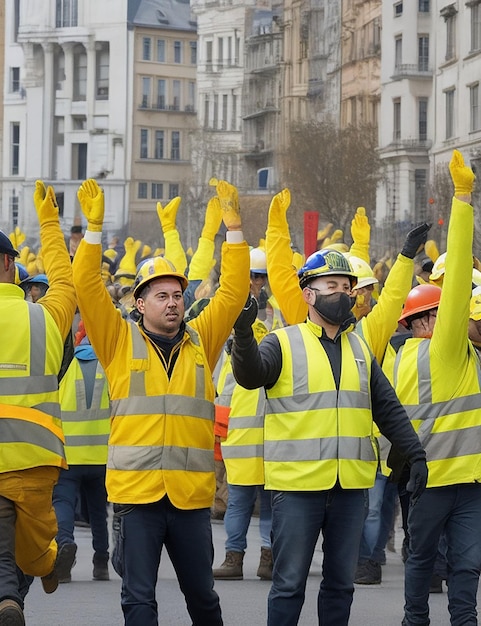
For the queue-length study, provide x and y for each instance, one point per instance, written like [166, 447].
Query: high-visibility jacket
[243, 450]
[30, 357]
[438, 380]
[86, 427]
[314, 433]
[162, 431]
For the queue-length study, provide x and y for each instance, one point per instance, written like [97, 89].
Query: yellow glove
[146, 251]
[91, 198]
[229, 203]
[31, 264]
[24, 252]
[360, 228]
[431, 249]
[280, 203]
[461, 175]
[17, 237]
[213, 219]
[336, 237]
[127, 263]
[39, 262]
[168, 214]
[322, 234]
[45, 203]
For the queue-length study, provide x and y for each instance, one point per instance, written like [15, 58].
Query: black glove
[415, 239]
[418, 478]
[243, 324]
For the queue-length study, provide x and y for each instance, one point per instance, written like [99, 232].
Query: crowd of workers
[315, 387]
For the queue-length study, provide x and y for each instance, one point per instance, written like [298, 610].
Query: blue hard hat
[20, 273]
[326, 263]
[38, 278]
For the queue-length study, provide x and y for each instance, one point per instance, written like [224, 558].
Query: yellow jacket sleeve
[60, 300]
[174, 250]
[378, 326]
[215, 322]
[283, 279]
[202, 260]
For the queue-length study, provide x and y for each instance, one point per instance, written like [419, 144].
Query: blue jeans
[456, 510]
[387, 517]
[187, 536]
[91, 478]
[297, 520]
[372, 524]
[240, 504]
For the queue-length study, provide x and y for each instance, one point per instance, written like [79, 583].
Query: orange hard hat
[420, 298]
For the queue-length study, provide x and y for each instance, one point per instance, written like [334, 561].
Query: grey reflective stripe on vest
[76, 441]
[239, 451]
[160, 457]
[320, 449]
[95, 412]
[229, 385]
[37, 382]
[21, 431]
[140, 458]
[243, 451]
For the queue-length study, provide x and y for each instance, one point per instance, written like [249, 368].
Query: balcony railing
[419, 70]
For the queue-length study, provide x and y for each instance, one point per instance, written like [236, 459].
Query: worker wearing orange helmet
[160, 467]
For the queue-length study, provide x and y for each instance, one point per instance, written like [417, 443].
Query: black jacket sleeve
[256, 365]
[391, 418]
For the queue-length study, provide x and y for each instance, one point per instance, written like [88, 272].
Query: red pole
[311, 222]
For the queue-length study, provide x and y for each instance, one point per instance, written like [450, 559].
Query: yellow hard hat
[475, 305]
[363, 271]
[439, 267]
[156, 267]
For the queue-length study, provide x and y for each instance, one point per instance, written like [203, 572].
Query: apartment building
[66, 113]
[164, 109]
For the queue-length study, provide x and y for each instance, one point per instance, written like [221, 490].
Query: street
[85, 602]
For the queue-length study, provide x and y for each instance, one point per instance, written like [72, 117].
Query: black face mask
[335, 308]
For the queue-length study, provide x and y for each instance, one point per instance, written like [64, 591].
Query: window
[79, 73]
[206, 111]
[208, 56]
[16, 18]
[193, 53]
[146, 48]
[13, 202]
[145, 92]
[15, 143]
[173, 190]
[449, 95]
[215, 120]
[79, 122]
[423, 119]
[220, 52]
[79, 161]
[176, 95]
[398, 9]
[144, 143]
[14, 79]
[160, 50]
[102, 62]
[175, 146]
[59, 69]
[475, 27]
[423, 53]
[161, 93]
[420, 194]
[234, 113]
[65, 13]
[224, 112]
[191, 97]
[397, 119]
[423, 6]
[142, 191]
[450, 37]
[237, 51]
[157, 191]
[177, 52]
[398, 53]
[474, 117]
[229, 51]
[159, 145]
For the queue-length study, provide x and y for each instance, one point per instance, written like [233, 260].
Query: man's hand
[280, 204]
[461, 175]
[45, 203]
[91, 198]
[248, 315]
[168, 214]
[360, 227]
[229, 203]
[415, 240]
[418, 478]
[213, 219]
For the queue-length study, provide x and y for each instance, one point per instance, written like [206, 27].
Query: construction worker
[160, 468]
[242, 454]
[437, 374]
[324, 389]
[31, 437]
[84, 400]
[35, 287]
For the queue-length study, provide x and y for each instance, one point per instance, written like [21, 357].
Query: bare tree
[332, 171]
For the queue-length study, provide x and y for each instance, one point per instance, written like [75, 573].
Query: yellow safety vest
[315, 434]
[163, 443]
[448, 428]
[30, 424]
[86, 429]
